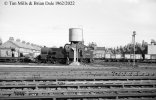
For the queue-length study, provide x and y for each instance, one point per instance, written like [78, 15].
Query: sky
[108, 23]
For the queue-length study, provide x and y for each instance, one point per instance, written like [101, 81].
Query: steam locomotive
[65, 55]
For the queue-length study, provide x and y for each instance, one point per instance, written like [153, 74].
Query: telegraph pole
[133, 38]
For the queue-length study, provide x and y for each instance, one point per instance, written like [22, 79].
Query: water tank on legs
[75, 35]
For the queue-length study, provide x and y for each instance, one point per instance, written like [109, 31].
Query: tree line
[140, 48]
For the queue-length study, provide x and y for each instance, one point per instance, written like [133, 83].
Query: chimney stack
[18, 40]
[23, 42]
[11, 38]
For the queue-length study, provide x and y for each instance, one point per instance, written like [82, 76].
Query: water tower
[75, 37]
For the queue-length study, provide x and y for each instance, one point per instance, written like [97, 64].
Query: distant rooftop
[23, 44]
[26, 45]
[100, 48]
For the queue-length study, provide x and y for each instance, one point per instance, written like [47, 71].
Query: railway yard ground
[98, 81]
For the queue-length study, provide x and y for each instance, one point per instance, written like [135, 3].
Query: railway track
[78, 83]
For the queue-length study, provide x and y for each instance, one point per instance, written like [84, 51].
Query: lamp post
[133, 38]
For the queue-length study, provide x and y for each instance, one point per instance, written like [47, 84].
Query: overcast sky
[109, 23]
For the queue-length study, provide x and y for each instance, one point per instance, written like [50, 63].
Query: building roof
[3, 47]
[100, 48]
[23, 45]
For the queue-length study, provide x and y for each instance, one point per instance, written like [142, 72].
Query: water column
[75, 36]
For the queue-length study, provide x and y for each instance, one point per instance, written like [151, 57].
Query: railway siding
[78, 83]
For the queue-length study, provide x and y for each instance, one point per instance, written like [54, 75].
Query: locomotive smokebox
[75, 35]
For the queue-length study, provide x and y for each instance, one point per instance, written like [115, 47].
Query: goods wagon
[113, 57]
[130, 57]
[150, 58]
[108, 57]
